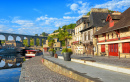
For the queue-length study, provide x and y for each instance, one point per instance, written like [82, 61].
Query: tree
[36, 34]
[88, 13]
[110, 11]
[63, 36]
[51, 41]
[43, 34]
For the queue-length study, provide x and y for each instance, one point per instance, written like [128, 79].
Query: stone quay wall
[67, 71]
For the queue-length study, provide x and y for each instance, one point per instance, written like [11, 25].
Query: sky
[36, 16]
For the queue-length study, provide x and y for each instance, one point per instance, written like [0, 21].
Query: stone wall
[68, 72]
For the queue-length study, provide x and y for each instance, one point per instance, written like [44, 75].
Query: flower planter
[56, 56]
[51, 53]
[67, 56]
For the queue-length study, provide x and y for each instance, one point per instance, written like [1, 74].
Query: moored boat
[31, 53]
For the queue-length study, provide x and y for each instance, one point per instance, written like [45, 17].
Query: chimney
[111, 23]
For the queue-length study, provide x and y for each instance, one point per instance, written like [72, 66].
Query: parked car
[60, 48]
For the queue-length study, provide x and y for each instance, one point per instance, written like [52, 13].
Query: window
[88, 35]
[84, 22]
[126, 47]
[88, 24]
[84, 36]
[96, 28]
[103, 21]
[117, 35]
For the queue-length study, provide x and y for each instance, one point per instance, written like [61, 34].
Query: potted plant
[64, 36]
[67, 52]
[50, 44]
[52, 52]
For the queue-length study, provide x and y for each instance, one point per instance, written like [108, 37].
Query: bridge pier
[28, 41]
[40, 41]
[34, 41]
[14, 38]
[22, 39]
[6, 37]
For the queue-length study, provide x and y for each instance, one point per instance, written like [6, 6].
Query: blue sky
[36, 16]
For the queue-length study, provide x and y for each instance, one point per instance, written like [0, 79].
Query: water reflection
[10, 61]
[10, 67]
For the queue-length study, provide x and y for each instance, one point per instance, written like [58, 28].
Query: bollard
[56, 56]
[119, 54]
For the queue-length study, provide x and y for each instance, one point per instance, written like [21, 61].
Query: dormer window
[103, 21]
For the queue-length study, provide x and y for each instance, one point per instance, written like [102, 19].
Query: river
[10, 67]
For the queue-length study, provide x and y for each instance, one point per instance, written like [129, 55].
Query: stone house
[77, 47]
[56, 45]
[69, 42]
[114, 38]
[93, 23]
[13, 44]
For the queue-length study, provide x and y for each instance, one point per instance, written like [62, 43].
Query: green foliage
[2, 41]
[51, 41]
[65, 27]
[63, 36]
[56, 31]
[88, 13]
[44, 34]
[63, 43]
[36, 34]
[66, 50]
[24, 59]
[51, 49]
[110, 11]
[25, 42]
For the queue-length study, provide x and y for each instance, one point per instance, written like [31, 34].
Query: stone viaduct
[22, 37]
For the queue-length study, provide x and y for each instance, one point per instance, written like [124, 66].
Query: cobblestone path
[35, 71]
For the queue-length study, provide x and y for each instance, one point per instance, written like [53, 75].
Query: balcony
[76, 42]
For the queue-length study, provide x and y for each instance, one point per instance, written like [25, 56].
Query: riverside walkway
[102, 74]
[34, 71]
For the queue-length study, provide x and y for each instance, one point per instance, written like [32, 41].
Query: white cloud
[23, 23]
[37, 10]
[115, 5]
[69, 17]
[4, 28]
[80, 7]
[4, 21]
[74, 7]
[67, 13]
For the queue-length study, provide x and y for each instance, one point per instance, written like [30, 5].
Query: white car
[60, 48]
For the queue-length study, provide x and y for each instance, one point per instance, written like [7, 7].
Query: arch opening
[10, 38]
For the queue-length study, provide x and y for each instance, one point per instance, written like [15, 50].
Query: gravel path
[37, 72]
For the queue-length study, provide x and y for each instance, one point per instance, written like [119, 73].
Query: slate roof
[115, 17]
[96, 19]
[122, 23]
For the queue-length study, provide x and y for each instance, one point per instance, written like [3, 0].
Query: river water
[10, 67]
